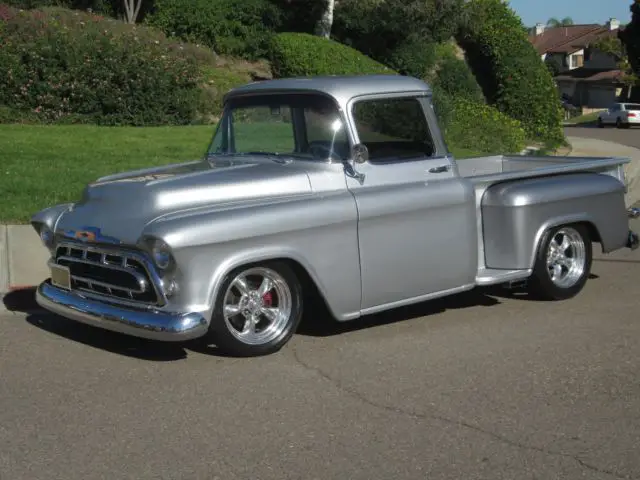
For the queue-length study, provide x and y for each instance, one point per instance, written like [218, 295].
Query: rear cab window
[393, 129]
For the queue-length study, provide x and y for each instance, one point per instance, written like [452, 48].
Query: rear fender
[516, 214]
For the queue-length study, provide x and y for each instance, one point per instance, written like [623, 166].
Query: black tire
[600, 123]
[541, 284]
[618, 123]
[220, 332]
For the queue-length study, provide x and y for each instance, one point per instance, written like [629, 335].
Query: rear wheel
[257, 310]
[563, 263]
[600, 123]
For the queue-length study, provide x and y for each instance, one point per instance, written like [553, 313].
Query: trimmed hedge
[482, 128]
[466, 122]
[302, 54]
[241, 28]
[509, 70]
[453, 76]
[65, 66]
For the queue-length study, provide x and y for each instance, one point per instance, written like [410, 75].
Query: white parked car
[621, 115]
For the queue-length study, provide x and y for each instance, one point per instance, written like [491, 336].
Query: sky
[581, 11]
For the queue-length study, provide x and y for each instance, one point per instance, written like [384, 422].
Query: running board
[493, 276]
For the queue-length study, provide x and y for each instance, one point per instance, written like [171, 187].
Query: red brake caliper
[267, 299]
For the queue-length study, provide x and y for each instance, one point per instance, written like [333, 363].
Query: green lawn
[584, 119]
[44, 165]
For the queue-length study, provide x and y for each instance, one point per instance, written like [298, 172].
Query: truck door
[416, 216]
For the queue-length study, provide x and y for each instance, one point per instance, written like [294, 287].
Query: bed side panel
[516, 214]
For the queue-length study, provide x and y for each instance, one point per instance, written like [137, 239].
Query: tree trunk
[323, 29]
[131, 10]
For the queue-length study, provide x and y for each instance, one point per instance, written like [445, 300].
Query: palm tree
[554, 22]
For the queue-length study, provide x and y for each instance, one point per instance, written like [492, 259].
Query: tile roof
[569, 39]
[592, 75]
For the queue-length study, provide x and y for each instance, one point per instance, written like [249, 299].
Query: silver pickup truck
[337, 186]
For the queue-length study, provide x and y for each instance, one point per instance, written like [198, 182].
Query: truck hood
[122, 205]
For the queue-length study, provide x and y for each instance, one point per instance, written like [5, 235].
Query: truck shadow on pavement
[316, 322]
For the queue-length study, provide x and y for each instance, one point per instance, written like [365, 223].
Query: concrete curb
[585, 147]
[23, 265]
[4, 260]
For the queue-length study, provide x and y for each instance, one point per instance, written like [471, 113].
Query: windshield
[304, 126]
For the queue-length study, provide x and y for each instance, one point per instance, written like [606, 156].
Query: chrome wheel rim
[566, 258]
[257, 306]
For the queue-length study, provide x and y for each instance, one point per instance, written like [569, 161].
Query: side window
[393, 129]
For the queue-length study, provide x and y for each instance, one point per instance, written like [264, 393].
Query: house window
[577, 61]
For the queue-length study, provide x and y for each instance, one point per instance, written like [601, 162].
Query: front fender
[49, 216]
[250, 256]
[319, 233]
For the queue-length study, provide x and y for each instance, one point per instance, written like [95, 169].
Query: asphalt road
[478, 386]
[629, 137]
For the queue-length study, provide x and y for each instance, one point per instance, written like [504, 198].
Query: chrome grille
[116, 274]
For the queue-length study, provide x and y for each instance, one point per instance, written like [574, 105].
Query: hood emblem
[90, 235]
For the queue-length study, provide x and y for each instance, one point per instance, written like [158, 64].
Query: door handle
[440, 169]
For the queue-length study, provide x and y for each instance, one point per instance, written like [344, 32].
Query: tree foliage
[614, 47]
[630, 36]
[509, 69]
[378, 27]
[554, 22]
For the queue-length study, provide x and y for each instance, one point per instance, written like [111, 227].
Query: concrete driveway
[479, 386]
[630, 137]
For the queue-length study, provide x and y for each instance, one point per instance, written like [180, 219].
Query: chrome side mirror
[360, 153]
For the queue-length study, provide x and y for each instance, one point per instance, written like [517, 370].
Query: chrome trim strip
[146, 263]
[150, 324]
[140, 279]
[108, 286]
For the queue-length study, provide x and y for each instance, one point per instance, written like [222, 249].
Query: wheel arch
[312, 286]
[584, 220]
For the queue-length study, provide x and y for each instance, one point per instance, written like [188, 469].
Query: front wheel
[257, 310]
[563, 263]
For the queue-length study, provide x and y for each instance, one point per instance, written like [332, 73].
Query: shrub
[98, 6]
[68, 66]
[509, 69]
[453, 76]
[481, 128]
[240, 28]
[414, 57]
[302, 54]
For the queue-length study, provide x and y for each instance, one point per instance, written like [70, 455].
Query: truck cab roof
[341, 88]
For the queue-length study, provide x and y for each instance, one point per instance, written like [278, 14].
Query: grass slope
[42, 166]
[45, 165]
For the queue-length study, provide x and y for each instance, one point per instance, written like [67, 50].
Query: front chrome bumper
[154, 325]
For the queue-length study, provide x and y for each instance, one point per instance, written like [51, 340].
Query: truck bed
[504, 167]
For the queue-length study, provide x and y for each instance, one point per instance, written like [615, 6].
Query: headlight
[46, 236]
[161, 255]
